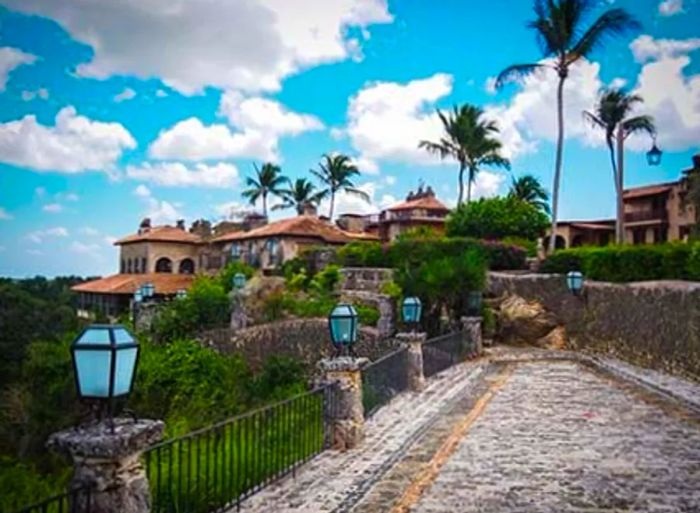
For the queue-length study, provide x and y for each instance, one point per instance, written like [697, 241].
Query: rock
[555, 339]
[522, 321]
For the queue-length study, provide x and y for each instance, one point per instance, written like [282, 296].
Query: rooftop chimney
[180, 224]
[145, 225]
[309, 209]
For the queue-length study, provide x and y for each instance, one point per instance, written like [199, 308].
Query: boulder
[555, 339]
[523, 322]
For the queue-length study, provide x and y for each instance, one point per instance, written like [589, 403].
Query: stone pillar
[471, 326]
[144, 314]
[414, 342]
[347, 413]
[110, 464]
[239, 319]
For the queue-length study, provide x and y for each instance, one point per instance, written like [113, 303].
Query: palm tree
[468, 140]
[268, 179]
[612, 116]
[300, 193]
[564, 39]
[529, 189]
[336, 173]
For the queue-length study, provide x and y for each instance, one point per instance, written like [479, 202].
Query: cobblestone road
[545, 436]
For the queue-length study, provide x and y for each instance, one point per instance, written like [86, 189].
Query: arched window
[122, 267]
[128, 266]
[164, 265]
[186, 266]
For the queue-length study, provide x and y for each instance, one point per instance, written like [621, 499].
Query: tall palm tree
[468, 139]
[529, 189]
[299, 194]
[564, 38]
[268, 179]
[612, 115]
[336, 173]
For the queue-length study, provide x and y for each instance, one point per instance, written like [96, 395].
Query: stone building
[419, 209]
[654, 213]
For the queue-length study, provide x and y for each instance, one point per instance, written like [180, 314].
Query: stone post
[144, 314]
[239, 319]
[414, 369]
[347, 413]
[471, 326]
[110, 464]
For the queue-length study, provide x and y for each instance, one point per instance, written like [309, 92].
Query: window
[164, 265]
[660, 234]
[186, 266]
[128, 266]
[639, 235]
[143, 265]
[122, 266]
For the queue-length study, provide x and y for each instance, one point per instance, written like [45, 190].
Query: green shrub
[693, 265]
[367, 315]
[324, 281]
[504, 257]
[273, 306]
[496, 218]
[672, 261]
[225, 276]
[362, 254]
[530, 246]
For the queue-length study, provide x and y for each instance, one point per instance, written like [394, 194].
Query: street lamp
[238, 281]
[181, 294]
[654, 155]
[148, 290]
[474, 299]
[104, 362]
[574, 282]
[411, 310]
[342, 323]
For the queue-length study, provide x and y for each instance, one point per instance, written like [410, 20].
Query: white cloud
[52, 208]
[11, 58]
[4, 215]
[84, 248]
[109, 240]
[34, 252]
[351, 204]
[248, 45]
[176, 174]
[127, 94]
[90, 231]
[387, 120]
[74, 144]
[39, 93]
[161, 93]
[40, 192]
[233, 210]
[71, 196]
[645, 48]
[38, 236]
[142, 191]
[160, 211]
[260, 122]
[490, 85]
[670, 7]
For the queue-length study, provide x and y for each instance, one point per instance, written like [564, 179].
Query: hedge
[671, 261]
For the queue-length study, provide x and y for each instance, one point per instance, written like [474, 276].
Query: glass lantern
[474, 300]
[411, 310]
[105, 357]
[654, 155]
[574, 282]
[343, 325]
[181, 294]
[239, 280]
[148, 290]
[138, 296]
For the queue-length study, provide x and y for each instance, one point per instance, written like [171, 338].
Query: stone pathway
[530, 433]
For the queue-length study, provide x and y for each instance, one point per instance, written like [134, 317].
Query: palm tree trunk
[330, 214]
[617, 191]
[469, 185]
[620, 185]
[264, 197]
[558, 162]
[461, 184]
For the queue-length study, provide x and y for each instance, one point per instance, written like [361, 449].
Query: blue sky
[111, 111]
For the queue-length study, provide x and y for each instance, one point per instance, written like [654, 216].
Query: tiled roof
[162, 234]
[164, 283]
[427, 202]
[593, 226]
[648, 190]
[299, 226]
[362, 236]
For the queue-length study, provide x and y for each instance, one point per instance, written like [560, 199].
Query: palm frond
[518, 72]
[637, 124]
[614, 22]
[357, 192]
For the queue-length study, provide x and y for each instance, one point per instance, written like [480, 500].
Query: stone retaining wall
[370, 279]
[651, 324]
[305, 339]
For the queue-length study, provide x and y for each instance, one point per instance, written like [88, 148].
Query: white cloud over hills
[176, 174]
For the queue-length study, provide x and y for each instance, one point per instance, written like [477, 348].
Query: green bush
[225, 276]
[672, 261]
[693, 265]
[367, 315]
[496, 218]
[325, 281]
[362, 254]
[530, 246]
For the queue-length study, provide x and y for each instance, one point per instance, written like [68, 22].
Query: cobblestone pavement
[513, 435]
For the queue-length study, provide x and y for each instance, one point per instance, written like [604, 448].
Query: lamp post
[411, 310]
[136, 301]
[342, 323]
[104, 357]
[474, 300]
[574, 282]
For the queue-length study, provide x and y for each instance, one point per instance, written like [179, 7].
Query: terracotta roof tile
[128, 283]
[162, 234]
[300, 226]
[428, 203]
[648, 190]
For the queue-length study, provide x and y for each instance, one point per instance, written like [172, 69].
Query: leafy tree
[564, 38]
[496, 218]
[336, 173]
[529, 189]
[268, 179]
[612, 115]
[299, 194]
[468, 138]
[225, 276]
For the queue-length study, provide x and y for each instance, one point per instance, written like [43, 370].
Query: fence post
[471, 328]
[109, 464]
[347, 415]
[414, 369]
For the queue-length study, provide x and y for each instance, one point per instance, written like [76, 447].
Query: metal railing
[383, 379]
[215, 468]
[654, 214]
[442, 352]
[78, 500]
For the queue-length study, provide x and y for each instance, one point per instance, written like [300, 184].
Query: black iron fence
[215, 468]
[383, 379]
[442, 352]
[78, 500]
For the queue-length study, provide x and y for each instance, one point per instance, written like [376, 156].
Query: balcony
[656, 214]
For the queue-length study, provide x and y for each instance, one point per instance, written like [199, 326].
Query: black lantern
[474, 299]
[574, 282]
[342, 323]
[105, 357]
[654, 155]
[411, 310]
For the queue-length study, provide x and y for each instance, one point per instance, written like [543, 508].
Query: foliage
[488, 321]
[672, 261]
[693, 264]
[308, 305]
[495, 218]
[225, 276]
[367, 315]
[530, 246]
[529, 189]
[363, 254]
[336, 172]
[206, 306]
[392, 289]
[419, 232]
[280, 378]
[325, 281]
[299, 194]
[468, 138]
[267, 180]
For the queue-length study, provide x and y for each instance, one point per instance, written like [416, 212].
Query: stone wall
[370, 279]
[652, 324]
[305, 339]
